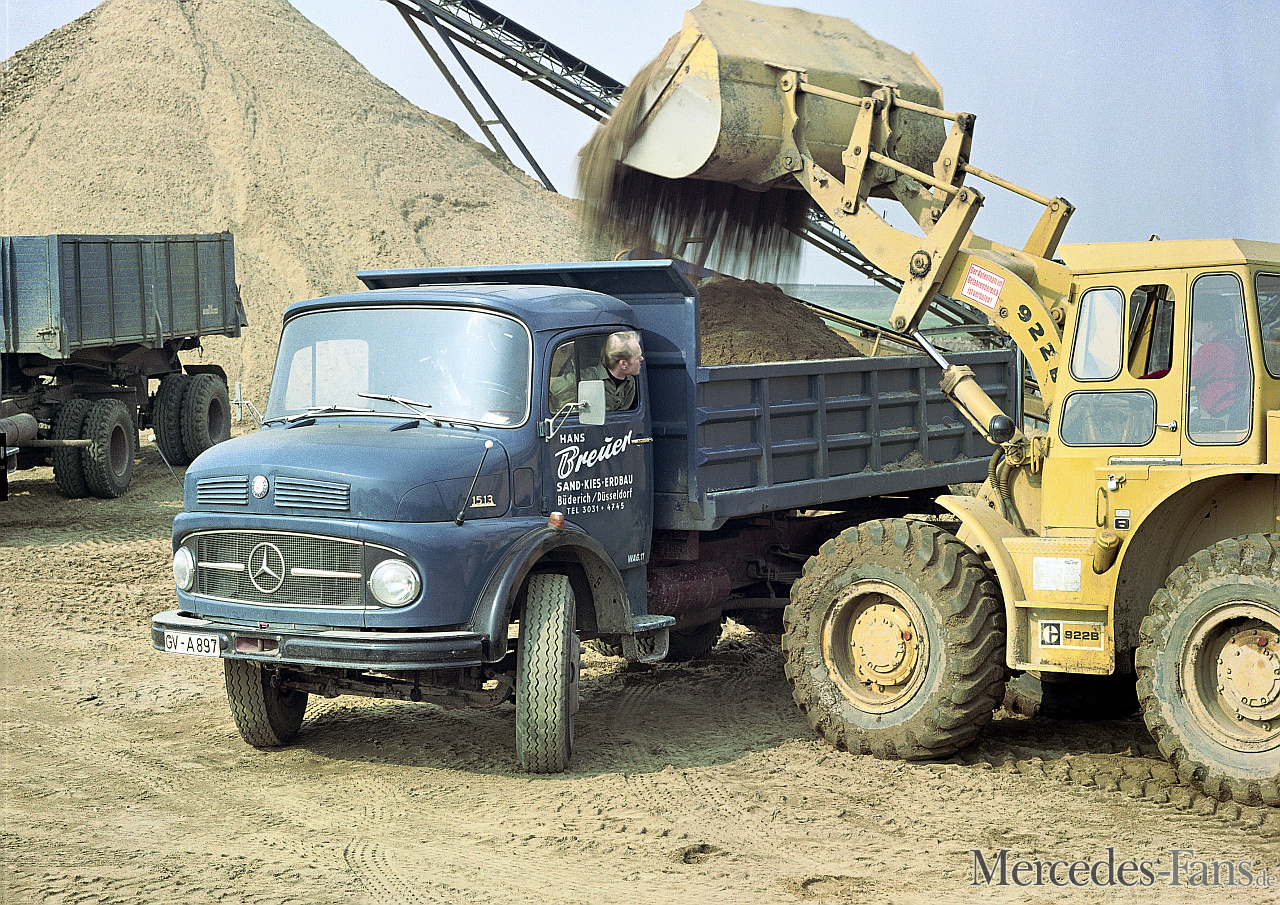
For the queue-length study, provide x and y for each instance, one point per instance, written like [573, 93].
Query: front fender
[491, 616]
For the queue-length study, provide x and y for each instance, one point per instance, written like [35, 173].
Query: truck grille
[232, 490]
[303, 494]
[279, 569]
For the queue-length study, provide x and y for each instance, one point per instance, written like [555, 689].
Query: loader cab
[1167, 366]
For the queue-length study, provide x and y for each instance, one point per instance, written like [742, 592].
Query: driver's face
[630, 366]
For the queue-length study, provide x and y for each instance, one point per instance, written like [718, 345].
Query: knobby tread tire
[166, 418]
[265, 716]
[547, 665]
[964, 666]
[68, 469]
[108, 462]
[1245, 569]
[206, 414]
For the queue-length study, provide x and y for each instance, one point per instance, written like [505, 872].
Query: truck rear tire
[266, 716]
[1209, 670]
[68, 469]
[547, 666]
[692, 644]
[108, 462]
[166, 418]
[895, 641]
[206, 414]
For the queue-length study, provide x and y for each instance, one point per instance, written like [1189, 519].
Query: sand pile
[744, 322]
[161, 116]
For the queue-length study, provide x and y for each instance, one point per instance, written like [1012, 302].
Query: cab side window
[1221, 392]
[1095, 351]
[1268, 287]
[572, 362]
[1150, 332]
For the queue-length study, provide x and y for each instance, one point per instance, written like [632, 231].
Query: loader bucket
[709, 108]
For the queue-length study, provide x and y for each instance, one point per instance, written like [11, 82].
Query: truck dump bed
[734, 440]
[65, 293]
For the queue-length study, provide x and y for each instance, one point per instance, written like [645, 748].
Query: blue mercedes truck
[417, 519]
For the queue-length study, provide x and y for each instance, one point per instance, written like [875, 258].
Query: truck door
[599, 475]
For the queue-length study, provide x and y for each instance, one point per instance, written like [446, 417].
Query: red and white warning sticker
[982, 287]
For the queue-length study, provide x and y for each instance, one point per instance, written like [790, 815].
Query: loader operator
[1219, 369]
[620, 360]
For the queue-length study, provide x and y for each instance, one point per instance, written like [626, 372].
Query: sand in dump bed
[744, 322]
[159, 116]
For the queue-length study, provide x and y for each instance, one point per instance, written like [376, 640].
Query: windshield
[445, 364]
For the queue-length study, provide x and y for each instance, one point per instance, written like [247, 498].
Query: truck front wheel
[266, 716]
[108, 462]
[895, 640]
[548, 662]
[1209, 670]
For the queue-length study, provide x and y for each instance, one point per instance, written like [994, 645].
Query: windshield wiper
[318, 410]
[411, 405]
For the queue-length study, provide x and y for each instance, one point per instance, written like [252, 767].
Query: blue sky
[1150, 117]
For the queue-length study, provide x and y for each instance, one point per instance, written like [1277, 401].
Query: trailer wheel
[692, 644]
[206, 414]
[895, 641]
[108, 462]
[548, 661]
[266, 716]
[166, 418]
[1209, 670]
[68, 471]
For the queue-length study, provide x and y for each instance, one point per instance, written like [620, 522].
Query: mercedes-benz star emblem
[266, 568]
[260, 486]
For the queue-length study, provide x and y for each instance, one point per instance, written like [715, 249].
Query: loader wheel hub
[1249, 674]
[883, 644]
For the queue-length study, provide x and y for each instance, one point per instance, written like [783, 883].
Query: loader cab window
[1150, 333]
[1095, 351]
[1268, 288]
[1221, 390]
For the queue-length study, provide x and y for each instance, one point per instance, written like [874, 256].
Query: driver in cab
[620, 359]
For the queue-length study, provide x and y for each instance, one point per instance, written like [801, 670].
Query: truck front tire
[206, 414]
[1209, 670]
[108, 461]
[895, 641]
[548, 662]
[166, 418]
[266, 716]
[68, 468]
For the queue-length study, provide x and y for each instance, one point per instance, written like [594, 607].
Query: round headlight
[184, 569]
[394, 583]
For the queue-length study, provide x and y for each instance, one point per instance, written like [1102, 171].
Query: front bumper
[381, 651]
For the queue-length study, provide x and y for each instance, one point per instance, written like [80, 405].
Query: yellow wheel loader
[1134, 529]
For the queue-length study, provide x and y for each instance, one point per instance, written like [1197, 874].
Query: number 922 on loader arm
[1134, 529]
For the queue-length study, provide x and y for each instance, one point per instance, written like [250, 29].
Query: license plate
[192, 644]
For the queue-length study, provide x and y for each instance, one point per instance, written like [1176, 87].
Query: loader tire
[266, 716]
[206, 414]
[108, 462]
[1209, 670]
[895, 641]
[166, 418]
[548, 662]
[68, 470]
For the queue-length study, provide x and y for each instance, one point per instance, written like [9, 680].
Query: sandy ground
[125, 781]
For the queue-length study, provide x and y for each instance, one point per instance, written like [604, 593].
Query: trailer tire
[68, 469]
[166, 418]
[693, 643]
[206, 414]
[909, 605]
[1207, 665]
[548, 662]
[108, 462]
[266, 716]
